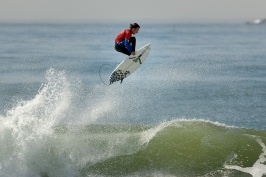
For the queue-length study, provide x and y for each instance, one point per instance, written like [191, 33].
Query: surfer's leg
[122, 49]
[132, 41]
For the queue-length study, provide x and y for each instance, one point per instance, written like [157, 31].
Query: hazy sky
[134, 10]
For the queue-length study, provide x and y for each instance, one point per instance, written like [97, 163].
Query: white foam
[148, 135]
[27, 134]
[258, 169]
[104, 101]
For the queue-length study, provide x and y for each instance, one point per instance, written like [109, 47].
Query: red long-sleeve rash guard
[123, 38]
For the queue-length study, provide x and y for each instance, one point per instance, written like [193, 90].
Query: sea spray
[27, 139]
[148, 135]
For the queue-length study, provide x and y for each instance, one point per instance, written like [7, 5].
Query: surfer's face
[135, 30]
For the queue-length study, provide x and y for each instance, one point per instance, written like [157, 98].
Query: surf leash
[100, 69]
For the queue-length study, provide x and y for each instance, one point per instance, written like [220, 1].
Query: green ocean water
[180, 148]
[174, 148]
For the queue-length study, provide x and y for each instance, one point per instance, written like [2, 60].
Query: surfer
[124, 42]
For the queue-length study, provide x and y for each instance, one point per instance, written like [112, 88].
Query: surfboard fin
[137, 59]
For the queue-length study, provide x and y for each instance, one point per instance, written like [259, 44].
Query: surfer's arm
[128, 46]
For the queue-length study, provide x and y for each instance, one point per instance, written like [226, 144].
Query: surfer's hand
[133, 53]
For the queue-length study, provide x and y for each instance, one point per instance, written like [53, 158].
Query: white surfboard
[130, 64]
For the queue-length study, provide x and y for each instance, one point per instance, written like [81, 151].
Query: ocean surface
[196, 107]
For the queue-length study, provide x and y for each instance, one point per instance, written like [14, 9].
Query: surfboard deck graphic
[130, 64]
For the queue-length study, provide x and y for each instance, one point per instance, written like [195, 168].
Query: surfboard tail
[130, 64]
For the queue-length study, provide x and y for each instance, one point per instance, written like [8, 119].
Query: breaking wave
[36, 141]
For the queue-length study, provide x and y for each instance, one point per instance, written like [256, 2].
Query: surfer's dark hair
[134, 25]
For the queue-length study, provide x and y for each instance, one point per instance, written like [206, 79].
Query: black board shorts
[122, 48]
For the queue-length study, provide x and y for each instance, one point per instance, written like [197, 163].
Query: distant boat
[257, 22]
